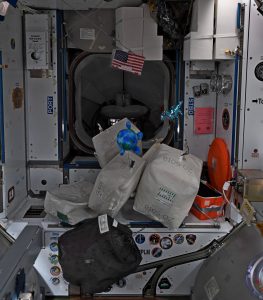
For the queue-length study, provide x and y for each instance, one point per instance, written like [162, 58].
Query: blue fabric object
[2, 18]
[12, 2]
[173, 112]
[127, 140]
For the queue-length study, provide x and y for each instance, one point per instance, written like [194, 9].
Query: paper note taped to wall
[204, 120]
[87, 34]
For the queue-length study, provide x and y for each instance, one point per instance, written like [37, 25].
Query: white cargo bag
[69, 202]
[115, 183]
[168, 186]
[105, 143]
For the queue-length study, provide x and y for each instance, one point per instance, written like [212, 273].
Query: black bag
[95, 260]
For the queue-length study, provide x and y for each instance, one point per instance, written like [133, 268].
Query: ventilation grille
[35, 212]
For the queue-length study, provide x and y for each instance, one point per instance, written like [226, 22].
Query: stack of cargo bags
[164, 184]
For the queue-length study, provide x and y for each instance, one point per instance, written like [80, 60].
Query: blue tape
[239, 16]
[234, 110]
[12, 2]
[65, 108]
[2, 130]
[177, 87]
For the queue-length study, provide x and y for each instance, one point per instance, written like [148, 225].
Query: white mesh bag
[69, 202]
[168, 186]
[115, 183]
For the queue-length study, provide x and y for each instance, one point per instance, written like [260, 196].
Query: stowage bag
[168, 186]
[105, 143]
[98, 253]
[115, 183]
[69, 202]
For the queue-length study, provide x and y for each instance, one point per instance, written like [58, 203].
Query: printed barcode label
[87, 34]
[165, 196]
[103, 223]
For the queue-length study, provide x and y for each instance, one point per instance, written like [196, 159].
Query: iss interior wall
[225, 105]
[243, 82]
[198, 143]
[42, 125]
[226, 36]
[14, 166]
[45, 179]
[251, 124]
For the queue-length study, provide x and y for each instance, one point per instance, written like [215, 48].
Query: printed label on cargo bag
[103, 223]
[165, 196]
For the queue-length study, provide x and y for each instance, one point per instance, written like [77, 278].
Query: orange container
[208, 204]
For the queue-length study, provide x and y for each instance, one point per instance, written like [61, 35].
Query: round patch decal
[154, 239]
[17, 97]
[226, 119]
[140, 239]
[54, 246]
[166, 243]
[157, 252]
[191, 238]
[259, 71]
[55, 280]
[178, 239]
[53, 259]
[55, 271]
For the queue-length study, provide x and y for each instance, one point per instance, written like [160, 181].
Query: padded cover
[95, 260]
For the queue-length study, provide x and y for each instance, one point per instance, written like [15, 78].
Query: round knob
[35, 55]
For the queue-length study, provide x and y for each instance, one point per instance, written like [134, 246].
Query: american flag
[127, 61]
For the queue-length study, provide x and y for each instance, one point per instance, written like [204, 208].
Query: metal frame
[73, 134]
[185, 256]
[21, 255]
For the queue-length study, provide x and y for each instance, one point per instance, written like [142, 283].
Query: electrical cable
[225, 188]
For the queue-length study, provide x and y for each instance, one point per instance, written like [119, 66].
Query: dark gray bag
[95, 260]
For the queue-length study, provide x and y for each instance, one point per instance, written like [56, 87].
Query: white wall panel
[225, 103]
[253, 117]
[198, 143]
[42, 123]
[14, 166]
